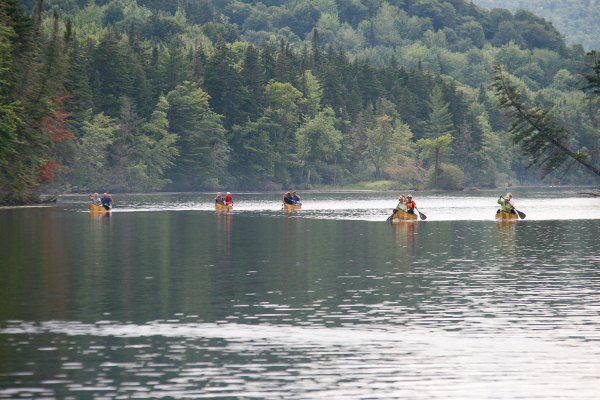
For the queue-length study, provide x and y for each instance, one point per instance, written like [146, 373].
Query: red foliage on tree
[55, 125]
[48, 169]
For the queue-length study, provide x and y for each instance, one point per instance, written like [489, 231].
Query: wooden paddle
[423, 216]
[521, 214]
[389, 219]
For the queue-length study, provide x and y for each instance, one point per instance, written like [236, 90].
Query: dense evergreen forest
[577, 20]
[146, 95]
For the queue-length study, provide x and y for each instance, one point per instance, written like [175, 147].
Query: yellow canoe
[292, 207]
[223, 207]
[506, 216]
[403, 216]
[97, 209]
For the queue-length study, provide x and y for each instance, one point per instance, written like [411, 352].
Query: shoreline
[47, 200]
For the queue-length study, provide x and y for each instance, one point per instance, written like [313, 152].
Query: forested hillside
[577, 20]
[128, 95]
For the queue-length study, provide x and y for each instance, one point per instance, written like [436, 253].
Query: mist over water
[167, 298]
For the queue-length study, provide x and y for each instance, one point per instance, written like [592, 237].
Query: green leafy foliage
[577, 20]
[446, 177]
[190, 95]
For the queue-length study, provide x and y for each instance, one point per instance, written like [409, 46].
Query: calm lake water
[167, 298]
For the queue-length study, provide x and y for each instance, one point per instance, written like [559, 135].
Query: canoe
[403, 216]
[223, 207]
[292, 207]
[97, 209]
[506, 216]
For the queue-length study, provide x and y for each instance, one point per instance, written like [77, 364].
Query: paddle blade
[521, 214]
[389, 219]
[423, 216]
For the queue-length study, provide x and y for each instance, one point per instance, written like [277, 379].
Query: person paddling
[506, 204]
[410, 204]
[228, 199]
[296, 198]
[400, 207]
[219, 199]
[95, 199]
[107, 202]
[401, 203]
[288, 199]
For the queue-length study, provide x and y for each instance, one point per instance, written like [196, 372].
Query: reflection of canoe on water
[290, 207]
[506, 216]
[97, 209]
[403, 216]
[223, 207]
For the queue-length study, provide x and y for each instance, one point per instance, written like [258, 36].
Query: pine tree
[32, 103]
[440, 119]
[228, 96]
[153, 151]
[90, 170]
[174, 65]
[10, 113]
[593, 79]
[203, 150]
[542, 137]
[253, 156]
[111, 73]
[253, 78]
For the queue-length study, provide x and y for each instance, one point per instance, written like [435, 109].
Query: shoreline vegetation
[50, 199]
[352, 188]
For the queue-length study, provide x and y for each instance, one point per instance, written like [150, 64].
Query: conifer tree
[153, 151]
[253, 78]
[111, 73]
[228, 96]
[37, 87]
[253, 155]
[203, 150]
[283, 101]
[440, 119]
[90, 167]
[10, 112]
[542, 137]
[593, 79]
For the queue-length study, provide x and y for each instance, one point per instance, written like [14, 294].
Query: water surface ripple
[187, 303]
